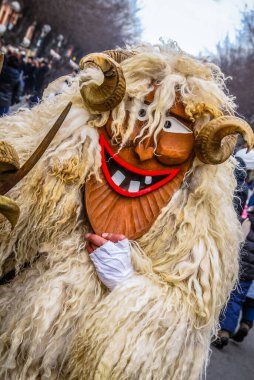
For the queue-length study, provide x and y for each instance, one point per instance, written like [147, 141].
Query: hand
[111, 256]
[96, 241]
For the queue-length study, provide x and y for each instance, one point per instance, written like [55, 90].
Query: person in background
[40, 76]
[237, 303]
[241, 193]
[251, 200]
[41, 73]
[10, 84]
[247, 318]
[29, 75]
[248, 158]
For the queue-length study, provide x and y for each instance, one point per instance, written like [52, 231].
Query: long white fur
[56, 319]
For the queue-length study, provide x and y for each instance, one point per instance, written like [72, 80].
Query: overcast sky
[197, 25]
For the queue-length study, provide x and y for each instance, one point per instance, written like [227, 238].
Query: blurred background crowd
[49, 38]
[42, 40]
[22, 77]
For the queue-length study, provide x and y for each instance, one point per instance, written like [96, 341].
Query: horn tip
[250, 143]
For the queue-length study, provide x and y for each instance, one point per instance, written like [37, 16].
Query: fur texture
[56, 319]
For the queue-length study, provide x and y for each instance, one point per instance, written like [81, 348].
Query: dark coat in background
[247, 254]
[9, 83]
[241, 195]
[241, 192]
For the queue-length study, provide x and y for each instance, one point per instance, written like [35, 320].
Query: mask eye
[173, 125]
[142, 113]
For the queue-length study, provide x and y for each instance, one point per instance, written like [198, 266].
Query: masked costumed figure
[142, 163]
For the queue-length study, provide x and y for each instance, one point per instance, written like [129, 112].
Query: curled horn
[216, 140]
[102, 83]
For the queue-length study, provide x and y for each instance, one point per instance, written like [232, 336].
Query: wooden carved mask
[139, 179]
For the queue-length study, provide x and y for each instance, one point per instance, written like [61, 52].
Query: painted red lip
[123, 177]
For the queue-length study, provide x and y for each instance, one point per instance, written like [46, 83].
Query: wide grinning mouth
[127, 180]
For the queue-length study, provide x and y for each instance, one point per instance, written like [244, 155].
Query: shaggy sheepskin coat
[57, 320]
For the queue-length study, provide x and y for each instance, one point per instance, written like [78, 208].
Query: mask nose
[145, 149]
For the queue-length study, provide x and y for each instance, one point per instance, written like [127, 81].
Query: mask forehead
[177, 108]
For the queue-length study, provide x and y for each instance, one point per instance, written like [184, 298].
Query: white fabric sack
[113, 262]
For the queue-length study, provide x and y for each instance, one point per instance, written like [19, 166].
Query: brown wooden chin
[108, 211]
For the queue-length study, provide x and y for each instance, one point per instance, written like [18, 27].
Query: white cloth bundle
[113, 262]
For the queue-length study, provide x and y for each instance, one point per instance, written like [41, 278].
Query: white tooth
[134, 186]
[118, 178]
[148, 180]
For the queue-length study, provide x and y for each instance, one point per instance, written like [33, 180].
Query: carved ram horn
[216, 140]
[103, 90]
